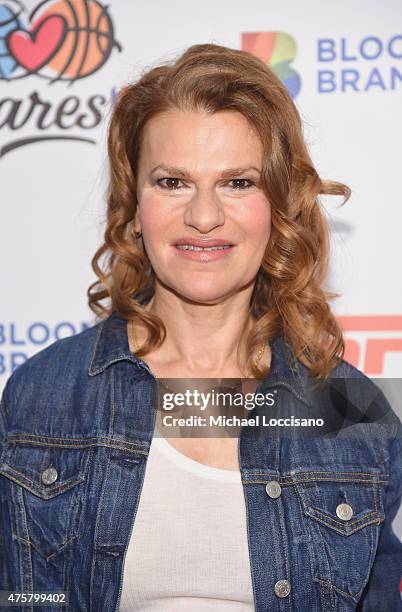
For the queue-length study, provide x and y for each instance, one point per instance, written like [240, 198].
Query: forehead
[186, 138]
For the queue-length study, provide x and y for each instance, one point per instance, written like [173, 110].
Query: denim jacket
[77, 421]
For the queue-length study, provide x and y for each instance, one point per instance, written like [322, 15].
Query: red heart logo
[32, 49]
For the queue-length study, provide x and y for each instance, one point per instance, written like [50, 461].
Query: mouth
[191, 247]
[204, 254]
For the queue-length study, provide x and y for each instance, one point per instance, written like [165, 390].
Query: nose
[204, 211]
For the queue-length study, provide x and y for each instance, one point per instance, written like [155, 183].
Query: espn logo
[368, 339]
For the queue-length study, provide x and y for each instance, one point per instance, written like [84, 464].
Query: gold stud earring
[136, 234]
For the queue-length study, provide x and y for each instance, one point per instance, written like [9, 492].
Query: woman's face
[187, 188]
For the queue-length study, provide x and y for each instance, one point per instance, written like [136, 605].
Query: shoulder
[375, 398]
[368, 399]
[64, 359]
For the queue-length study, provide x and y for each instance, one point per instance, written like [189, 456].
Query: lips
[204, 255]
[208, 242]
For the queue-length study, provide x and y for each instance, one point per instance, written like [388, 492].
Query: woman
[101, 500]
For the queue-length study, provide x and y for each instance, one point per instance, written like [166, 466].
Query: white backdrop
[344, 61]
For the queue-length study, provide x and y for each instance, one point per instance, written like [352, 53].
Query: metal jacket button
[273, 489]
[344, 512]
[49, 476]
[282, 588]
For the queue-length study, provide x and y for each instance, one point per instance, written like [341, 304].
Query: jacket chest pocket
[342, 520]
[44, 493]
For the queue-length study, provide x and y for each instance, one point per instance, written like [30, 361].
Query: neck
[202, 339]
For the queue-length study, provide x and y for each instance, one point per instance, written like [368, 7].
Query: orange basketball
[89, 37]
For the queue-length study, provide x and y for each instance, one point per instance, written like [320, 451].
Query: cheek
[255, 218]
[152, 218]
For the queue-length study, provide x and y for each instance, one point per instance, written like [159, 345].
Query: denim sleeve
[4, 407]
[8, 402]
[382, 591]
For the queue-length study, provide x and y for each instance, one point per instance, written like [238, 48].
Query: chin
[202, 292]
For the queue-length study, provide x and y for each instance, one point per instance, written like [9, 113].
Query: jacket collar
[111, 345]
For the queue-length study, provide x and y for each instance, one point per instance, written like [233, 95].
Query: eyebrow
[182, 172]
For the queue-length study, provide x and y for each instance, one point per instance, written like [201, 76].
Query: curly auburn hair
[288, 296]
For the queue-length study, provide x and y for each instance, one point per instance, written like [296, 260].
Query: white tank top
[188, 550]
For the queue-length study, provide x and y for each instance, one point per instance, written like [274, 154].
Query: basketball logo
[65, 40]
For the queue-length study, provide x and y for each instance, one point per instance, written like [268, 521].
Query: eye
[242, 180]
[171, 179]
[171, 183]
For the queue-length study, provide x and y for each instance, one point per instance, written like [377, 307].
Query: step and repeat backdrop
[61, 66]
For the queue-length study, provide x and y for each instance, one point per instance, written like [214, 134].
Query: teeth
[189, 247]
